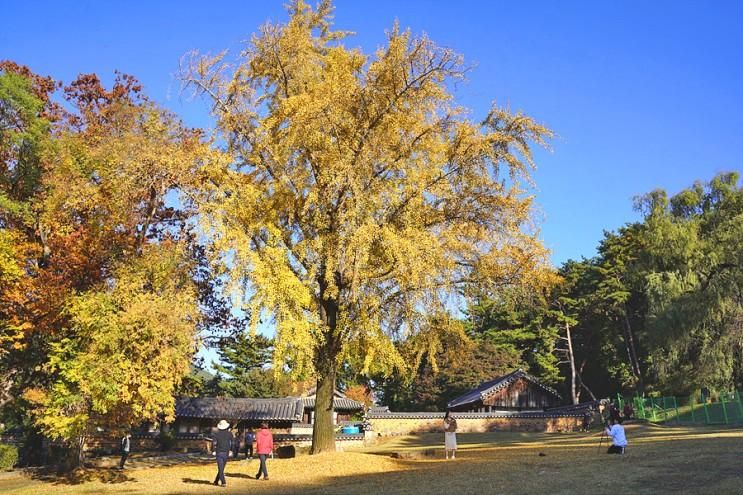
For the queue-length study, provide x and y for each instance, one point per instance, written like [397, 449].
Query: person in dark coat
[126, 446]
[587, 418]
[629, 411]
[249, 439]
[222, 449]
[236, 444]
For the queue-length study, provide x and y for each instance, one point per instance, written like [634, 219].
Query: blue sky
[642, 95]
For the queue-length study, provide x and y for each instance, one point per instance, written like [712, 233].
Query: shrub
[166, 440]
[8, 457]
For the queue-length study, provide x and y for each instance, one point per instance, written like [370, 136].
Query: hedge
[8, 457]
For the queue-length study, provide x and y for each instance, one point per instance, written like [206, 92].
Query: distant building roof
[229, 408]
[472, 415]
[339, 404]
[340, 401]
[487, 388]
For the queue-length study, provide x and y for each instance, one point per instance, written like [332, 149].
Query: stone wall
[399, 424]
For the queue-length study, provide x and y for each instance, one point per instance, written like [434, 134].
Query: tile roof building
[516, 391]
[200, 415]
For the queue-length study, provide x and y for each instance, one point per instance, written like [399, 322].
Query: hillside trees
[361, 196]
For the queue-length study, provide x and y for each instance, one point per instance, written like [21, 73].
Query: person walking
[126, 446]
[450, 435]
[221, 449]
[249, 439]
[263, 447]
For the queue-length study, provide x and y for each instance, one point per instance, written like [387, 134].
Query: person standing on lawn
[221, 449]
[263, 447]
[587, 418]
[249, 439]
[126, 446]
[629, 411]
[237, 435]
[450, 435]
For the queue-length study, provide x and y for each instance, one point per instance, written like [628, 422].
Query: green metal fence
[725, 408]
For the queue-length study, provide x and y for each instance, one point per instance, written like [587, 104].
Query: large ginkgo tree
[359, 197]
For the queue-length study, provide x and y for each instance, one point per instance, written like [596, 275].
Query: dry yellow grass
[659, 460]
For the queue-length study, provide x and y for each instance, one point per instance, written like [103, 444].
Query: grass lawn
[698, 460]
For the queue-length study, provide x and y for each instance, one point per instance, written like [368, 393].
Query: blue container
[350, 430]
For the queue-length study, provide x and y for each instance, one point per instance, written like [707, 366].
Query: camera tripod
[603, 434]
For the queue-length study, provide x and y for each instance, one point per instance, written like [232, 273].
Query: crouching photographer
[615, 431]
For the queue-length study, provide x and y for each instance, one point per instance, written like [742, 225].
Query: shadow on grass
[689, 467]
[79, 476]
[196, 482]
[238, 475]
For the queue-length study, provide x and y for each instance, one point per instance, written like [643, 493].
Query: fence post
[740, 405]
[691, 403]
[724, 407]
[655, 416]
[676, 406]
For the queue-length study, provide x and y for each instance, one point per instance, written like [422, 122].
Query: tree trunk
[323, 430]
[573, 373]
[582, 383]
[76, 459]
[634, 361]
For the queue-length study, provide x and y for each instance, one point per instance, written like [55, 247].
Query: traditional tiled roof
[287, 409]
[470, 415]
[488, 388]
[339, 403]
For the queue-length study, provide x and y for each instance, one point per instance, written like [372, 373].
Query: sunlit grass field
[699, 460]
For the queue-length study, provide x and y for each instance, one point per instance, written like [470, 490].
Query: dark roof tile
[288, 409]
[339, 404]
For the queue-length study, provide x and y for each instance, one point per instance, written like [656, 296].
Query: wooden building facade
[517, 391]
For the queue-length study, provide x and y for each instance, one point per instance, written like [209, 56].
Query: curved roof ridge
[491, 386]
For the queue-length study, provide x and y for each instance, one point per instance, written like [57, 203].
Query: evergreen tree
[244, 367]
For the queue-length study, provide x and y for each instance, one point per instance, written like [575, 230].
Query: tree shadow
[83, 475]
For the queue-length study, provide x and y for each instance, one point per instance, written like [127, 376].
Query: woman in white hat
[221, 448]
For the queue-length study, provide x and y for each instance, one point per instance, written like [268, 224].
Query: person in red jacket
[263, 447]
